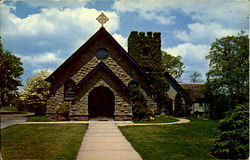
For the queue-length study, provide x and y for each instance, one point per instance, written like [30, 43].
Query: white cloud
[50, 31]
[39, 59]
[150, 10]
[57, 3]
[231, 12]
[204, 33]
[121, 40]
[193, 57]
[55, 22]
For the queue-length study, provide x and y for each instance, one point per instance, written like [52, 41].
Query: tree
[196, 77]
[232, 135]
[11, 69]
[36, 92]
[173, 65]
[228, 75]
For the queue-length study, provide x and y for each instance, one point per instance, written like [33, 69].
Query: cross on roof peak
[102, 19]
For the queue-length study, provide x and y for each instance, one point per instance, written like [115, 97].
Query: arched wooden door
[101, 103]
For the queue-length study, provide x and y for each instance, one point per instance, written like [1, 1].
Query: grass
[42, 141]
[180, 141]
[9, 108]
[160, 119]
[38, 119]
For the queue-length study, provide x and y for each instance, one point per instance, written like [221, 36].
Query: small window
[146, 69]
[69, 88]
[168, 88]
[146, 52]
[200, 104]
[133, 84]
[102, 54]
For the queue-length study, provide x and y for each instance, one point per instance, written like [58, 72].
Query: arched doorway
[101, 102]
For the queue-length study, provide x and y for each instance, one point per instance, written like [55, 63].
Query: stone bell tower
[146, 50]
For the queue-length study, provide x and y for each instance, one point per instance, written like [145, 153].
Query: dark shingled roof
[194, 90]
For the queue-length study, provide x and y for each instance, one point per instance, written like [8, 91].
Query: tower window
[146, 51]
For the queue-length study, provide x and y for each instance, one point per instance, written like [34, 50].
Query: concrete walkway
[129, 123]
[11, 119]
[104, 141]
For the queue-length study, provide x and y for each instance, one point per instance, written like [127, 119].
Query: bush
[20, 104]
[232, 135]
[36, 104]
[39, 109]
[62, 111]
[179, 110]
[140, 108]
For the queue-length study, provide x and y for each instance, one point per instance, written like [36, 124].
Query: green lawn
[9, 108]
[42, 141]
[180, 141]
[160, 119]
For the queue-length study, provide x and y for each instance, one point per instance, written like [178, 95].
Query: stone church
[95, 79]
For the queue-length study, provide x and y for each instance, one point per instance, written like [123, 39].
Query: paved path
[129, 123]
[104, 141]
[11, 119]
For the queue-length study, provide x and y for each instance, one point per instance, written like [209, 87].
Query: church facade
[95, 81]
[95, 78]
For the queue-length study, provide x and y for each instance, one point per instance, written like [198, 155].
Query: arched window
[69, 89]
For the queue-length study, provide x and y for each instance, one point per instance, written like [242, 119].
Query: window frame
[69, 95]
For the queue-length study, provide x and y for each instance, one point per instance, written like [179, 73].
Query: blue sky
[45, 33]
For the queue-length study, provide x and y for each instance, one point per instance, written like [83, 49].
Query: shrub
[62, 111]
[36, 104]
[178, 111]
[182, 110]
[232, 135]
[139, 104]
[20, 103]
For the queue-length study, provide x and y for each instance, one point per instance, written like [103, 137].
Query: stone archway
[101, 103]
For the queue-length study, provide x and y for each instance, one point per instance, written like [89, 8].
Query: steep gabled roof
[100, 66]
[174, 83]
[102, 30]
